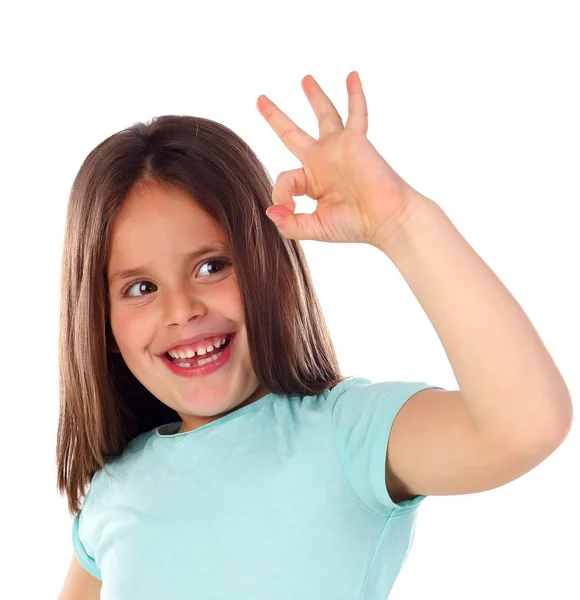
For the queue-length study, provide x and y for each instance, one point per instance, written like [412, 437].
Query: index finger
[294, 138]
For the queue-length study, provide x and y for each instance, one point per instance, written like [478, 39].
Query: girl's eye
[217, 261]
[141, 285]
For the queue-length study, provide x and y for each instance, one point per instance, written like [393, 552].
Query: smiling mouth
[199, 360]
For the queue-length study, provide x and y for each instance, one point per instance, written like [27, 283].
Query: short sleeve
[363, 415]
[87, 561]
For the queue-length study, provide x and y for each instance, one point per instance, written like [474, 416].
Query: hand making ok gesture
[360, 197]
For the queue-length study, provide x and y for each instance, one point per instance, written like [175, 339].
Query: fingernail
[274, 216]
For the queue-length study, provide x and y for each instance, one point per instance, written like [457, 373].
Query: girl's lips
[206, 369]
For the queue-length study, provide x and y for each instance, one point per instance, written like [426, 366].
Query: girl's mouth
[201, 365]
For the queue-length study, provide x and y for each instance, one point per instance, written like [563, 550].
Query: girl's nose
[182, 305]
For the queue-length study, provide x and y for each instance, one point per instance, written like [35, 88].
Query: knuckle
[286, 134]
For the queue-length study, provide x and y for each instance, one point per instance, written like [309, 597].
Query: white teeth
[202, 361]
[189, 353]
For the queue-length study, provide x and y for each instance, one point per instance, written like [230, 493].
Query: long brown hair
[102, 405]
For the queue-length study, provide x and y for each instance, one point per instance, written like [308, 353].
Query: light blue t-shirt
[282, 499]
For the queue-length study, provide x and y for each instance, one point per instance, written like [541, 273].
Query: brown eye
[222, 265]
[140, 286]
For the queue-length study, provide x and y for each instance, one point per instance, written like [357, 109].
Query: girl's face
[173, 295]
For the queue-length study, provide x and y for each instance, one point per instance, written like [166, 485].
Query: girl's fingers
[288, 184]
[357, 104]
[329, 120]
[294, 138]
[294, 226]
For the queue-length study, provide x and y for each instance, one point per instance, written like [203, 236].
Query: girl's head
[170, 278]
[167, 238]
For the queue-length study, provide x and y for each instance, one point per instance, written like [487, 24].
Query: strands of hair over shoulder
[102, 405]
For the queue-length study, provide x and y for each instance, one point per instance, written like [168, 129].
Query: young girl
[225, 455]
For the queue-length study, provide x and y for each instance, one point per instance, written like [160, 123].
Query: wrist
[398, 235]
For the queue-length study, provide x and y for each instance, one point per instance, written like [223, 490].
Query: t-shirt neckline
[169, 430]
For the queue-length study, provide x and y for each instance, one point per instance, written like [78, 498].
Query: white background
[474, 104]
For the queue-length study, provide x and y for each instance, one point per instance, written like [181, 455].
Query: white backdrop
[474, 104]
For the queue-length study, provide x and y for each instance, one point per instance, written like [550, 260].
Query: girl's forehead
[154, 211]
[162, 221]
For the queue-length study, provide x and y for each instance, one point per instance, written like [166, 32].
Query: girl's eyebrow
[134, 271]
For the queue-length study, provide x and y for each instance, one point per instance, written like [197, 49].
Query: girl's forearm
[512, 387]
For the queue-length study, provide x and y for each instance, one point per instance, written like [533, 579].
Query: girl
[226, 456]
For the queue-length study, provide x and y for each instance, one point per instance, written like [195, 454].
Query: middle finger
[329, 119]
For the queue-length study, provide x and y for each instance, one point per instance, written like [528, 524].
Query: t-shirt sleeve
[86, 560]
[363, 415]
